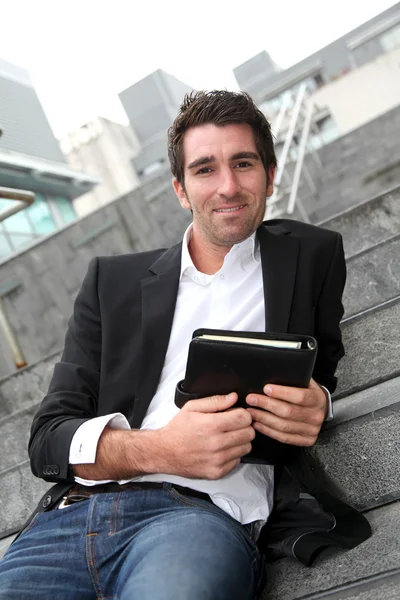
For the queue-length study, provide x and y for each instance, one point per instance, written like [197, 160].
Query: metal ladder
[296, 113]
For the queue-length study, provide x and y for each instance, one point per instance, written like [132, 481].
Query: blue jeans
[153, 544]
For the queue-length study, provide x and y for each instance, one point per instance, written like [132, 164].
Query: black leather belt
[81, 492]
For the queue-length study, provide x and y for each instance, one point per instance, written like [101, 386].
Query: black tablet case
[221, 367]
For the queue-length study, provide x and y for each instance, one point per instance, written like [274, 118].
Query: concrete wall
[43, 281]
[356, 167]
[363, 94]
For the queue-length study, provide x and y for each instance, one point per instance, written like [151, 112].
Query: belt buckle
[63, 503]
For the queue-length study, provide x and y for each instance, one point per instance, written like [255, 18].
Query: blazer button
[47, 501]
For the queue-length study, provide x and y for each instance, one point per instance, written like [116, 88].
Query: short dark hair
[218, 107]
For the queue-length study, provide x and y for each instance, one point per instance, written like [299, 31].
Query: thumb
[212, 404]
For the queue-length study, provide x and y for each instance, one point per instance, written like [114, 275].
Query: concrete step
[373, 276]
[366, 572]
[372, 347]
[20, 492]
[385, 586]
[28, 386]
[372, 356]
[366, 472]
[372, 343]
[368, 223]
[351, 448]
[14, 436]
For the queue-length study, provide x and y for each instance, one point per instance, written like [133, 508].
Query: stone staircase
[360, 448]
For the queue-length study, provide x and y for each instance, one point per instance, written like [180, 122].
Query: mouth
[230, 209]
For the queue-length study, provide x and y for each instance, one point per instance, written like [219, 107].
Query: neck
[207, 258]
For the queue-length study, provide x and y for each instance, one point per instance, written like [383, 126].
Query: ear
[180, 192]
[270, 180]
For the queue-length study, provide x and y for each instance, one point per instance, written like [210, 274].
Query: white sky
[81, 53]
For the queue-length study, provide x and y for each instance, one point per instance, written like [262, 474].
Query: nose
[228, 184]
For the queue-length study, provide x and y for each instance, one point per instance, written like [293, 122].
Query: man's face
[225, 183]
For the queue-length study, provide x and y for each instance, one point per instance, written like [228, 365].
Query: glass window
[18, 223]
[40, 216]
[66, 209]
[5, 247]
[153, 167]
[18, 240]
[391, 39]
[328, 130]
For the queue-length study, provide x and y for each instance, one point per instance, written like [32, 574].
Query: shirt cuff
[329, 414]
[84, 443]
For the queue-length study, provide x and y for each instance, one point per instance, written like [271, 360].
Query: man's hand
[203, 442]
[290, 415]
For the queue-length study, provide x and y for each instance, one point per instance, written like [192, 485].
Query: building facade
[371, 42]
[107, 149]
[31, 159]
[151, 105]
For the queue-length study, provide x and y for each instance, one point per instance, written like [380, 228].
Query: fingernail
[268, 389]
[231, 396]
[251, 400]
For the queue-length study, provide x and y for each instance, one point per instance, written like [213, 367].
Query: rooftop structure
[151, 105]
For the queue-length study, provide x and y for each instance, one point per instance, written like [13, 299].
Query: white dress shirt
[232, 298]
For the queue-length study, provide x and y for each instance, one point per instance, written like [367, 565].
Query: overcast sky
[81, 53]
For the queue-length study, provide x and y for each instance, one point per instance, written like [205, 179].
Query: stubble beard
[225, 235]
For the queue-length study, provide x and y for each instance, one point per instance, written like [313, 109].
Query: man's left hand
[288, 414]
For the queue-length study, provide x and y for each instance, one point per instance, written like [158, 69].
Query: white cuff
[84, 443]
[329, 415]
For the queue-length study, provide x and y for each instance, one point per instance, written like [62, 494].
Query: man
[163, 507]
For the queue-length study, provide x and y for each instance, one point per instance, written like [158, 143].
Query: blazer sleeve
[73, 392]
[329, 312]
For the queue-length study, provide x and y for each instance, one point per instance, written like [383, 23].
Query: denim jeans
[153, 544]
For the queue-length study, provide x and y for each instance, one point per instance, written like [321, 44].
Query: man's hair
[218, 107]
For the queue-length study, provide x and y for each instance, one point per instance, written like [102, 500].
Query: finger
[287, 438]
[226, 468]
[236, 452]
[287, 410]
[284, 425]
[232, 420]
[301, 396]
[211, 404]
[237, 438]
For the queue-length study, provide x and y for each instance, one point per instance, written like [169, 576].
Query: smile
[225, 210]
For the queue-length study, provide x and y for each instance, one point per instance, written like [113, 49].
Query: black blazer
[118, 337]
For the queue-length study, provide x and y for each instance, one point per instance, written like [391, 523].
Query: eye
[243, 165]
[203, 171]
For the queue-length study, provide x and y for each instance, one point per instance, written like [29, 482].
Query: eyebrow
[205, 160]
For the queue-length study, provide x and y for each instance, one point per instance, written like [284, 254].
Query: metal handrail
[299, 163]
[22, 199]
[277, 196]
[289, 137]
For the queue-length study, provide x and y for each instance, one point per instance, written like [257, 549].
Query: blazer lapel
[159, 293]
[279, 254]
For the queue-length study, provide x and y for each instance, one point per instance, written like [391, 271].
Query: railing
[299, 113]
[22, 199]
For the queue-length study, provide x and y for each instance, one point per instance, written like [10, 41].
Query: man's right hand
[205, 439]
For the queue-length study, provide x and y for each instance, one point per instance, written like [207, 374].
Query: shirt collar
[249, 249]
